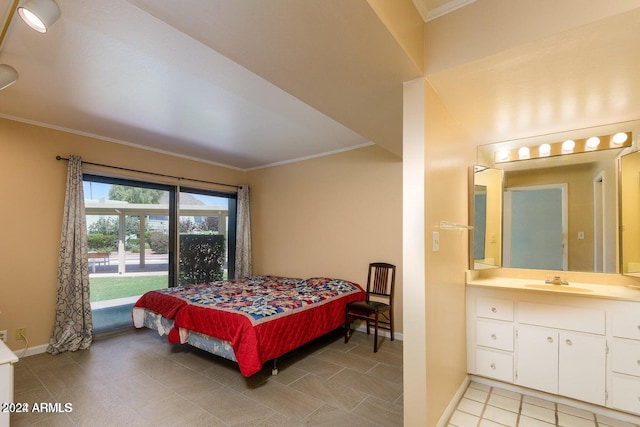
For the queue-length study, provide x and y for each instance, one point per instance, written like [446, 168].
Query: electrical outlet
[21, 333]
[3, 335]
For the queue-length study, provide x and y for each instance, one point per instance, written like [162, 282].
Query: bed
[251, 320]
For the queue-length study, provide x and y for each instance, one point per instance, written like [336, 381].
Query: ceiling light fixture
[570, 146]
[8, 76]
[39, 14]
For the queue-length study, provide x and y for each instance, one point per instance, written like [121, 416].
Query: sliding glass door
[144, 236]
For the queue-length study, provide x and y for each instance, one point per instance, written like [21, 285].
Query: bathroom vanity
[580, 341]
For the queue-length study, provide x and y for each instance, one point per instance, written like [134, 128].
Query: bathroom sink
[559, 288]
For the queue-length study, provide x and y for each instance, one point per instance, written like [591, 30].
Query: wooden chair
[377, 309]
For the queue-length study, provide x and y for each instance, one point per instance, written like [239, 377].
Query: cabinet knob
[494, 337]
[493, 366]
[569, 342]
[495, 310]
[549, 339]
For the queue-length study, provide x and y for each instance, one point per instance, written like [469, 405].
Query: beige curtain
[243, 234]
[73, 324]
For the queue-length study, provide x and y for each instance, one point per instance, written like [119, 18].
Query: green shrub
[159, 242]
[102, 242]
[202, 258]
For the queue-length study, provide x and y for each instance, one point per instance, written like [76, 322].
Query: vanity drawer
[494, 334]
[494, 308]
[625, 357]
[562, 317]
[494, 364]
[626, 325]
[625, 393]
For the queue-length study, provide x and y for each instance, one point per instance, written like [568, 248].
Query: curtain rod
[153, 173]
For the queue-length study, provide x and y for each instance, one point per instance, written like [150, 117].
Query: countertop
[587, 290]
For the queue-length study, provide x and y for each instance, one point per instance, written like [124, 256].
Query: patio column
[141, 240]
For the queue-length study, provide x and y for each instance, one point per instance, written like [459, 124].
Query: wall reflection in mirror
[487, 223]
[558, 207]
[630, 213]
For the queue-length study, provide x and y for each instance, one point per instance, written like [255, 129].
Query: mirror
[486, 217]
[560, 211]
[630, 213]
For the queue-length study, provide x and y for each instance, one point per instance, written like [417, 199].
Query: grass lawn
[105, 288]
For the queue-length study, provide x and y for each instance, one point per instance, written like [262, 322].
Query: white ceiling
[242, 83]
[249, 83]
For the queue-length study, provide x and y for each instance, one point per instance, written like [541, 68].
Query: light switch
[580, 235]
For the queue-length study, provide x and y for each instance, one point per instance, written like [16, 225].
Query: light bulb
[568, 145]
[619, 138]
[593, 142]
[544, 149]
[523, 153]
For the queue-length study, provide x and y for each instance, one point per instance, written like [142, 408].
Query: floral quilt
[263, 317]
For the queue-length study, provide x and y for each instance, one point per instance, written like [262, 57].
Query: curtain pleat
[73, 328]
[243, 234]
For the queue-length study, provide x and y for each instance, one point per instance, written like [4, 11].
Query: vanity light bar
[586, 145]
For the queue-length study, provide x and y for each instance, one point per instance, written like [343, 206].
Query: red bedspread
[262, 317]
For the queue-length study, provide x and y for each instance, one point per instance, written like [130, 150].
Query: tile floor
[485, 406]
[137, 379]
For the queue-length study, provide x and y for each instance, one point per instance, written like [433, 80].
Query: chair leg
[391, 323]
[347, 328]
[375, 338]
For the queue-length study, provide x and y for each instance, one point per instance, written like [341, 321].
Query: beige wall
[448, 156]
[492, 179]
[32, 194]
[630, 197]
[329, 216]
[436, 161]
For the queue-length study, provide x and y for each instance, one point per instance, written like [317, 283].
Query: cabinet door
[625, 393]
[582, 366]
[537, 358]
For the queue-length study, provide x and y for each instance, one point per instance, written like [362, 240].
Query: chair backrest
[381, 279]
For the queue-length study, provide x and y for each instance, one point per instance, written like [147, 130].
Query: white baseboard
[31, 351]
[381, 332]
[453, 404]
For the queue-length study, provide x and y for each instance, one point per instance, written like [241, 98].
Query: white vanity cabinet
[493, 338]
[585, 348]
[562, 350]
[625, 360]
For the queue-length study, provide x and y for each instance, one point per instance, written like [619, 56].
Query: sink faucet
[556, 280]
